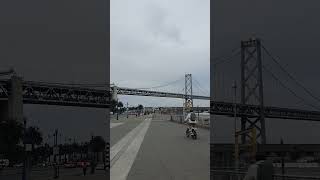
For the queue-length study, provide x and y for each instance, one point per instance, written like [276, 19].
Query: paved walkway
[157, 149]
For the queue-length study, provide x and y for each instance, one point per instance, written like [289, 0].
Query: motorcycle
[191, 131]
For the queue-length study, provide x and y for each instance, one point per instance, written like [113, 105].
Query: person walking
[84, 168]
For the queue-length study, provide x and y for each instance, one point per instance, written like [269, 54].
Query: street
[163, 152]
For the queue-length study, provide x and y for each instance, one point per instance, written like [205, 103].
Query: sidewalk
[74, 175]
[98, 175]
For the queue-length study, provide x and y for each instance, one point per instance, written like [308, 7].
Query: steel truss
[51, 94]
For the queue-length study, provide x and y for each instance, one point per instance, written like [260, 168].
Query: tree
[140, 107]
[120, 104]
[113, 105]
[97, 144]
[11, 133]
[34, 136]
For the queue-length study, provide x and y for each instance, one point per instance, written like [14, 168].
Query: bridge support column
[188, 93]
[15, 101]
[12, 109]
[252, 86]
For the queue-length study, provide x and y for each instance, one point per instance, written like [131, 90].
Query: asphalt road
[162, 152]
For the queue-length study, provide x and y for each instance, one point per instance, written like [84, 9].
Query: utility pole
[198, 114]
[65, 149]
[236, 144]
[127, 110]
[27, 149]
[60, 143]
[117, 109]
[282, 160]
[55, 152]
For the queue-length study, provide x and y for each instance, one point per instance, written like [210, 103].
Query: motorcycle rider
[191, 120]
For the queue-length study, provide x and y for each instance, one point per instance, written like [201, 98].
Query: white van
[4, 162]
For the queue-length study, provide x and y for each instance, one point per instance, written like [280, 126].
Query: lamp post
[282, 160]
[117, 109]
[55, 153]
[236, 145]
[127, 110]
[27, 148]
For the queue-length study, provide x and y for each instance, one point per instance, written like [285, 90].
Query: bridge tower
[12, 108]
[188, 105]
[252, 87]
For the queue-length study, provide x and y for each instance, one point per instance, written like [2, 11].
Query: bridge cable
[234, 53]
[286, 87]
[164, 85]
[200, 87]
[291, 76]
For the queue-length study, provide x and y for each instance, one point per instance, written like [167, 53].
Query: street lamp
[27, 148]
[117, 109]
[127, 110]
[236, 147]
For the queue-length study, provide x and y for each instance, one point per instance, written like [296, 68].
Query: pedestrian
[93, 166]
[84, 168]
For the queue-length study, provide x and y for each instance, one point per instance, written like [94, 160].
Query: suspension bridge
[251, 104]
[252, 110]
[128, 155]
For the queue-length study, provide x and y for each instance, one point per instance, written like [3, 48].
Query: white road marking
[121, 168]
[121, 146]
[112, 125]
[160, 120]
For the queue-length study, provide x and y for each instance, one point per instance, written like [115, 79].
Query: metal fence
[289, 177]
[239, 175]
[227, 175]
[203, 121]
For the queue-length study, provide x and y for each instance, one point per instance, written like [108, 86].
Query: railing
[239, 175]
[227, 175]
[203, 121]
[289, 177]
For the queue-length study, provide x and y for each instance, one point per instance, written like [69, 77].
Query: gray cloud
[290, 30]
[155, 42]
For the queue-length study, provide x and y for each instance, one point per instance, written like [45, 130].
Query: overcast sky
[57, 41]
[290, 30]
[154, 42]
[157, 41]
